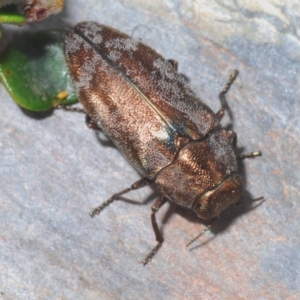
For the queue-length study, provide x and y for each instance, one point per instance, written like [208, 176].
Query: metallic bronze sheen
[135, 96]
[147, 109]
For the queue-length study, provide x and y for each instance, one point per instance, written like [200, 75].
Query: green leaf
[12, 19]
[35, 73]
[9, 14]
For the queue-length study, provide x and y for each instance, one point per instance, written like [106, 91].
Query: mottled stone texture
[54, 170]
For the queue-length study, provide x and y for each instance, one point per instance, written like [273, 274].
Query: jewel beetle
[140, 101]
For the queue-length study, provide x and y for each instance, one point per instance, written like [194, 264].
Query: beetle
[140, 101]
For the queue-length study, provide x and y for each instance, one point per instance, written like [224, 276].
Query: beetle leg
[158, 236]
[137, 185]
[249, 155]
[91, 124]
[222, 97]
[88, 120]
[71, 108]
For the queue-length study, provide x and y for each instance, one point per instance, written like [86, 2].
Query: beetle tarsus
[230, 81]
[151, 253]
[158, 236]
[137, 185]
[222, 97]
[98, 209]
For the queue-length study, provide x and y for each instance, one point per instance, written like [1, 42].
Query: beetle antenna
[201, 233]
[258, 199]
[262, 199]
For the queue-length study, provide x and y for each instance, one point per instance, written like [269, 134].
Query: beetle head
[213, 202]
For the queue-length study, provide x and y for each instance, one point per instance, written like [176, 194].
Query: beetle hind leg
[137, 185]
[158, 236]
[222, 95]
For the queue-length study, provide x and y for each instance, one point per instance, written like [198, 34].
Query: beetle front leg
[137, 185]
[222, 97]
[158, 236]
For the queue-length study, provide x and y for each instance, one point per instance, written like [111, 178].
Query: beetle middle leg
[71, 108]
[88, 120]
[160, 201]
[222, 95]
[137, 185]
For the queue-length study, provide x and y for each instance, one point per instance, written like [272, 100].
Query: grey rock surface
[53, 170]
